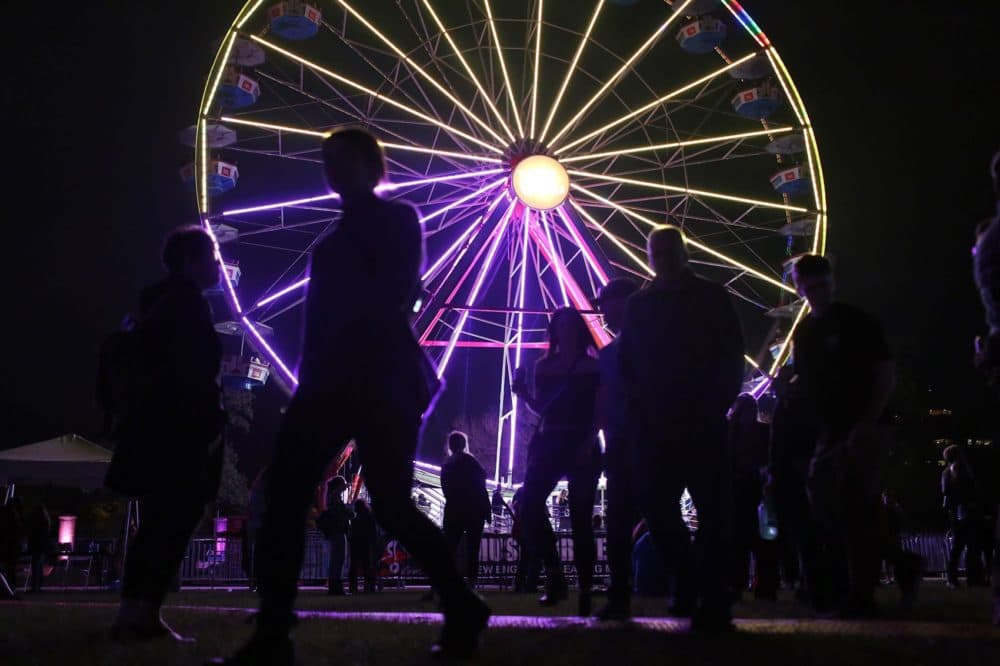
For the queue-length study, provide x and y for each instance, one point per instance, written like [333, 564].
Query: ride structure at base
[541, 142]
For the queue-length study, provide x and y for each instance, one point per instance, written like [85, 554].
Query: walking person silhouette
[363, 376]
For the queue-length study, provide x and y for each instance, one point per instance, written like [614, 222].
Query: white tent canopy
[69, 460]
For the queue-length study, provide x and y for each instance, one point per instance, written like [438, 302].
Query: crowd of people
[665, 392]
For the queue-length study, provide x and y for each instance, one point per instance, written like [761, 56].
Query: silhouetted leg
[957, 546]
[159, 545]
[582, 490]
[709, 487]
[540, 479]
[387, 447]
[337, 552]
[473, 541]
[307, 441]
[621, 514]
[659, 484]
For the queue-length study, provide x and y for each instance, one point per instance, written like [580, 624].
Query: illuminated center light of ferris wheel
[540, 182]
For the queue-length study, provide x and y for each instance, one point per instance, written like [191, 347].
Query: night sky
[902, 96]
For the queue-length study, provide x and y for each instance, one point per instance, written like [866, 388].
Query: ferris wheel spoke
[420, 70]
[394, 79]
[538, 62]
[458, 202]
[461, 241]
[657, 102]
[639, 53]
[503, 67]
[688, 191]
[487, 98]
[733, 263]
[603, 231]
[319, 69]
[494, 245]
[354, 114]
[721, 139]
[569, 71]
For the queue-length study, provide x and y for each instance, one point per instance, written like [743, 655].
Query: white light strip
[377, 95]
[614, 239]
[569, 72]
[427, 77]
[677, 144]
[688, 191]
[624, 68]
[503, 67]
[459, 202]
[690, 241]
[475, 80]
[538, 56]
[657, 102]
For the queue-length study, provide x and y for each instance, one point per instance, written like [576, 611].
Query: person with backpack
[168, 443]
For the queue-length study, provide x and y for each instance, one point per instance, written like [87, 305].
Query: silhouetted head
[813, 277]
[612, 299]
[667, 252]
[189, 252]
[952, 454]
[361, 506]
[457, 442]
[568, 333]
[353, 160]
[337, 485]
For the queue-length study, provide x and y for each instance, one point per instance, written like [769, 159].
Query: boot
[463, 623]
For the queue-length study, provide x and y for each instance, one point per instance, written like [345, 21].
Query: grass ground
[948, 627]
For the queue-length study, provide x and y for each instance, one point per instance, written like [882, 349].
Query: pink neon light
[273, 297]
[552, 245]
[461, 239]
[387, 187]
[517, 353]
[459, 202]
[477, 285]
[272, 355]
[602, 276]
[481, 344]
[576, 294]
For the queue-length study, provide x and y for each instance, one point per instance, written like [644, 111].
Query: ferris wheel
[541, 141]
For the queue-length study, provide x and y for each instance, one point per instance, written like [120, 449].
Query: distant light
[540, 182]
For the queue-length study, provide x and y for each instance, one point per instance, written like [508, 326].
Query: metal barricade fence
[220, 561]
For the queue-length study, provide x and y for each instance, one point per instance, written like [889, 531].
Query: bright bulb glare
[540, 182]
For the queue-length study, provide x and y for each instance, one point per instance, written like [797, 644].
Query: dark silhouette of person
[334, 521]
[529, 565]
[169, 447]
[362, 375]
[965, 517]
[843, 361]
[497, 503]
[986, 269]
[682, 359]
[362, 547]
[11, 536]
[613, 419]
[748, 441]
[467, 504]
[251, 531]
[38, 533]
[564, 396]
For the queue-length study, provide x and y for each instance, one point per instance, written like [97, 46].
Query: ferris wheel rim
[791, 93]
